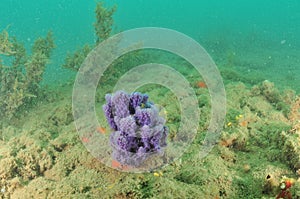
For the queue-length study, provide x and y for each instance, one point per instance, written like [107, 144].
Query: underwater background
[256, 47]
[269, 29]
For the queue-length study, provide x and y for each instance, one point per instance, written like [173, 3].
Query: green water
[253, 37]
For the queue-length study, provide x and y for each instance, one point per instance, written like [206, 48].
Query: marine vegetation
[104, 21]
[21, 75]
[74, 60]
[103, 28]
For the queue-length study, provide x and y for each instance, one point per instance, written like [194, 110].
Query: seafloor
[41, 155]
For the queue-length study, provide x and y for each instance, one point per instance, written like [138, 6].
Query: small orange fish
[101, 130]
[201, 84]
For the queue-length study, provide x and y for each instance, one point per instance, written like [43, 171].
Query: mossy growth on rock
[20, 77]
[280, 100]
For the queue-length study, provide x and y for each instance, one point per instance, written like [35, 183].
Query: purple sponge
[138, 130]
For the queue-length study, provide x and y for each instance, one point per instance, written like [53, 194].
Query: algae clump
[104, 21]
[103, 28]
[20, 78]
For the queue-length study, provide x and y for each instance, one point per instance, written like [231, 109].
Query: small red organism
[85, 139]
[244, 123]
[201, 84]
[117, 165]
[101, 130]
[285, 189]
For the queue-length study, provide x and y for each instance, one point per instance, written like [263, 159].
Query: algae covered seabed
[42, 156]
